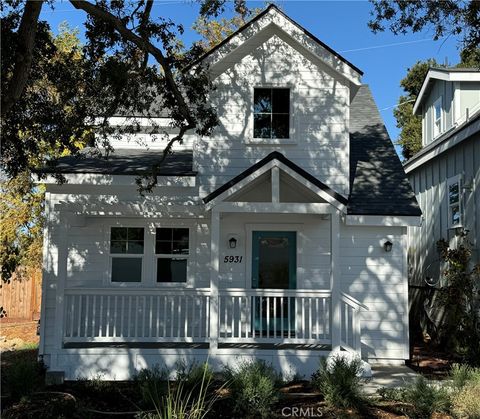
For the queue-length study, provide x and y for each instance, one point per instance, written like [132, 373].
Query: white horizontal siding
[379, 280]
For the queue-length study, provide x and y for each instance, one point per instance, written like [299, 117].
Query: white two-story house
[281, 237]
[445, 176]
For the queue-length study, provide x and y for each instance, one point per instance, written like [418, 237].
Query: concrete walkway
[389, 376]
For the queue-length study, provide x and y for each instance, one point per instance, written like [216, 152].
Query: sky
[342, 25]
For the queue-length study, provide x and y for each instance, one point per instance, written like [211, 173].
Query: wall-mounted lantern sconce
[232, 242]
[387, 246]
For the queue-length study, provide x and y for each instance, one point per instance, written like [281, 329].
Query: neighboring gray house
[282, 236]
[445, 176]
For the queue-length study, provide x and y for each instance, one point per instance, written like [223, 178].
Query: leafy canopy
[129, 57]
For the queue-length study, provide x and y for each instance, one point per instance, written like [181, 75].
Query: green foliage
[463, 374]
[410, 137]
[152, 384]
[460, 331]
[339, 382]
[22, 378]
[466, 403]
[179, 402]
[254, 388]
[391, 393]
[21, 226]
[214, 31]
[426, 398]
[193, 375]
[443, 18]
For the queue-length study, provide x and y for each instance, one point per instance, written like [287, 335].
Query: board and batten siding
[379, 280]
[429, 182]
[319, 108]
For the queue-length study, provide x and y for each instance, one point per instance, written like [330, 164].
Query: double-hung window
[172, 252]
[271, 113]
[454, 195]
[126, 253]
[437, 117]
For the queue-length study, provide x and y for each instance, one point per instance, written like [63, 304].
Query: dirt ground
[17, 335]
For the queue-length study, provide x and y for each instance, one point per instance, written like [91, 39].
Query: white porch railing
[350, 330]
[184, 315]
[121, 315]
[287, 316]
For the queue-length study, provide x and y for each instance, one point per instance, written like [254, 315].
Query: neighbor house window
[271, 113]
[172, 251]
[126, 251]
[437, 117]
[454, 202]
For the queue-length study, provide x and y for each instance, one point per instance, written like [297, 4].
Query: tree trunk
[23, 62]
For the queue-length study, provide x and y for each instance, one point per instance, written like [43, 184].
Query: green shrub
[391, 393]
[179, 403]
[23, 377]
[339, 382]
[254, 388]
[466, 402]
[152, 384]
[426, 398]
[193, 375]
[461, 374]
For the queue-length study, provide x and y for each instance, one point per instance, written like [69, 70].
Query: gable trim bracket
[275, 162]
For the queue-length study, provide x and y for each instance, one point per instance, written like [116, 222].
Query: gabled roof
[378, 183]
[274, 9]
[289, 164]
[446, 74]
[125, 162]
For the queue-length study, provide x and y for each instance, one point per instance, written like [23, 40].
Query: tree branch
[143, 44]
[26, 39]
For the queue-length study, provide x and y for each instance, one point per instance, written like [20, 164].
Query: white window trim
[291, 140]
[126, 255]
[190, 257]
[440, 118]
[451, 181]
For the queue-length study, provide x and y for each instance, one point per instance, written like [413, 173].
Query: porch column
[63, 222]
[335, 279]
[214, 272]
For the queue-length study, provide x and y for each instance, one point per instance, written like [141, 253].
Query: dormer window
[437, 117]
[271, 113]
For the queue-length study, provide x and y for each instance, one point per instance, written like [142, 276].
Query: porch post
[214, 271]
[335, 278]
[63, 221]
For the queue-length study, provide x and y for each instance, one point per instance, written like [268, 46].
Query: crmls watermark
[302, 412]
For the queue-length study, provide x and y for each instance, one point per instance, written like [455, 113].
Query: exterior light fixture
[388, 246]
[232, 243]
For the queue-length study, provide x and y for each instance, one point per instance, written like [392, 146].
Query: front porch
[249, 319]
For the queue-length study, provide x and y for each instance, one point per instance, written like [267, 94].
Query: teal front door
[274, 266]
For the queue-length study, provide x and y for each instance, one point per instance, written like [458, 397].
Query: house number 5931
[232, 259]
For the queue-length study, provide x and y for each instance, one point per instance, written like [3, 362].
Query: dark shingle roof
[378, 184]
[126, 162]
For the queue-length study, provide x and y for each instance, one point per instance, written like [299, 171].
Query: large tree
[128, 55]
[444, 18]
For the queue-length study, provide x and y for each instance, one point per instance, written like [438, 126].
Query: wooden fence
[21, 298]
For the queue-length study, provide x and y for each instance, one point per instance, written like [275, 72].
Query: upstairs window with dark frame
[172, 252]
[271, 113]
[126, 252]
